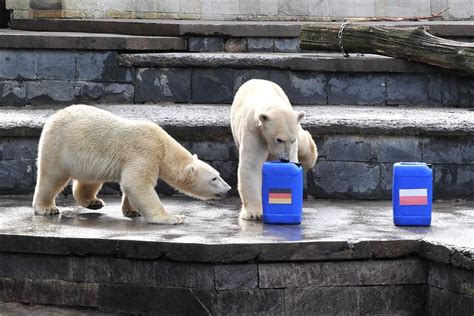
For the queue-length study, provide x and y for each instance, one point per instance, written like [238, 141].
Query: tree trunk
[414, 44]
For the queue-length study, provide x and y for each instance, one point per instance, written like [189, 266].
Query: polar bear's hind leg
[85, 194]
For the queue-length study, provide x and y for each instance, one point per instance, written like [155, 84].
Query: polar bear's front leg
[148, 204]
[250, 181]
[127, 208]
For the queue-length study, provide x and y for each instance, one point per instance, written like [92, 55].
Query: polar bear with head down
[264, 125]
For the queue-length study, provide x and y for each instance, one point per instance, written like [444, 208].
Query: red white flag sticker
[413, 197]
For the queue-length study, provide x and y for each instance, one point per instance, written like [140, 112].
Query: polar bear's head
[280, 128]
[204, 182]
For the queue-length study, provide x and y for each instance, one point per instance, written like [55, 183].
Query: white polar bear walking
[93, 146]
[264, 126]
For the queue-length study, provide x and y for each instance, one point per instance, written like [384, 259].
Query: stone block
[286, 45]
[250, 302]
[116, 298]
[163, 85]
[293, 8]
[396, 149]
[242, 76]
[407, 89]
[12, 93]
[52, 92]
[97, 92]
[398, 299]
[46, 4]
[322, 301]
[356, 89]
[345, 273]
[102, 67]
[443, 276]
[205, 44]
[466, 92]
[192, 275]
[56, 65]
[49, 292]
[19, 148]
[214, 151]
[453, 181]
[339, 179]
[442, 302]
[239, 276]
[17, 176]
[212, 86]
[260, 44]
[301, 87]
[386, 179]
[443, 90]
[15, 64]
[26, 266]
[341, 8]
[455, 150]
[235, 45]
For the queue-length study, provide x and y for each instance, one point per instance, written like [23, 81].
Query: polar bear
[264, 126]
[93, 146]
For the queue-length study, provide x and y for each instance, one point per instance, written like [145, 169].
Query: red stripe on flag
[280, 195]
[413, 200]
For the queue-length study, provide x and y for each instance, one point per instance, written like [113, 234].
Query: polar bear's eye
[214, 179]
[279, 140]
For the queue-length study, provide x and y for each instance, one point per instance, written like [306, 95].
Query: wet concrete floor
[217, 222]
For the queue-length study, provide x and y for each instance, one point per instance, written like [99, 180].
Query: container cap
[412, 169]
[277, 167]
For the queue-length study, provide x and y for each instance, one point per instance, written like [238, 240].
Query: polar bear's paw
[47, 211]
[95, 204]
[251, 215]
[130, 213]
[166, 220]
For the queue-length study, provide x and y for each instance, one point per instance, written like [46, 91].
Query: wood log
[414, 44]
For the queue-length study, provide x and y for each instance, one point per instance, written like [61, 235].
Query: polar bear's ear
[189, 170]
[262, 118]
[195, 156]
[300, 116]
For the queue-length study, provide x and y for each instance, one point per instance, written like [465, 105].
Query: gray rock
[348, 148]
[407, 89]
[17, 176]
[448, 150]
[466, 92]
[260, 44]
[102, 67]
[301, 87]
[443, 302]
[397, 149]
[235, 45]
[163, 85]
[205, 44]
[356, 89]
[286, 45]
[12, 93]
[95, 92]
[52, 92]
[19, 148]
[443, 90]
[56, 65]
[15, 64]
[322, 300]
[392, 299]
[212, 86]
[240, 276]
[453, 181]
[453, 279]
[238, 302]
[338, 179]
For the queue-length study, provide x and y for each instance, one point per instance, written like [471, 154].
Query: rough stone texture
[205, 44]
[18, 309]
[354, 273]
[359, 89]
[340, 179]
[212, 86]
[97, 92]
[235, 45]
[13, 93]
[260, 44]
[138, 299]
[443, 302]
[269, 302]
[328, 300]
[56, 65]
[456, 280]
[101, 66]
[52, 92]
[161, 85]
[17, 175]
[393, 299]
[449, 150]
[287, 45]
[240, 276]
[15, 64]
[407, 90]
[13, 39]
[453, 180]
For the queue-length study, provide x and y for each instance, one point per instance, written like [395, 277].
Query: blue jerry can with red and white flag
[412, 194]
[282, 192]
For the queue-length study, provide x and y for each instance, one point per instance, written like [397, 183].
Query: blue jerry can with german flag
[282, 193]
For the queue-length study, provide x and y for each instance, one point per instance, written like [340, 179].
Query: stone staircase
[364, 112]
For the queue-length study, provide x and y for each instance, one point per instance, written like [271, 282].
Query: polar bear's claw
[47, 211]
[96, 204]
[166, 220]
[131, 213]
[250, 216]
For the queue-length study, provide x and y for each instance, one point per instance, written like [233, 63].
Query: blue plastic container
[282, 193]
[412, 194]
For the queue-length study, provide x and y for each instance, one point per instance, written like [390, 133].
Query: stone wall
[316, 10]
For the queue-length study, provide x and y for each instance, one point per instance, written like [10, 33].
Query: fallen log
[414, 44]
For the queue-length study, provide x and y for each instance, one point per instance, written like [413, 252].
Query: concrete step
[152, 27]
[346, 252]
[357, 145]
[14, 39]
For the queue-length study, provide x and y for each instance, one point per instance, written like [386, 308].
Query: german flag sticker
[279, 196]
